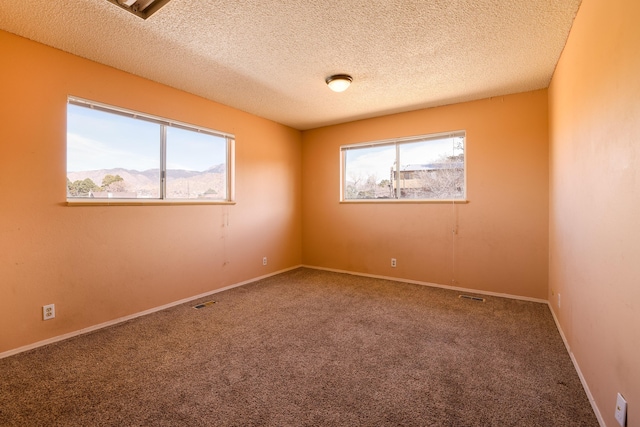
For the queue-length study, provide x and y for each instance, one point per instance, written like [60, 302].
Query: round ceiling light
[339, 82]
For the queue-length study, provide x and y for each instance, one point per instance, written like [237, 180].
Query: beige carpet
[307, 348]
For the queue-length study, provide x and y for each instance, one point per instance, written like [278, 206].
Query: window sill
[139, 202]
[404, 201]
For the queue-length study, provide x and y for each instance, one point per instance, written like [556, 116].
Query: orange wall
[502, 240]
[594, 103]
[101, 263]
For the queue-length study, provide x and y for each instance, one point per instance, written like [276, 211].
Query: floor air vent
[471, 297]
[204, 304]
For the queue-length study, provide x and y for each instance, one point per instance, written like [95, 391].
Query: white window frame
[397, 142]
[164, 123]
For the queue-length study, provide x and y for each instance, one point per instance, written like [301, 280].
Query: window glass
[119, 154]
[196, 165]
[368, 172]
[111, 154]
[430, 167]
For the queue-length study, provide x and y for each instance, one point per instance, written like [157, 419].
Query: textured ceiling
[271, 58]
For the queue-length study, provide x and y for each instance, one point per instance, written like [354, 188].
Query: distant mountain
[180, 183]
[131, 177]
[221, 168]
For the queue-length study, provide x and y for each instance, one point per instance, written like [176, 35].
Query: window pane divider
[396, 179]
[163, 162]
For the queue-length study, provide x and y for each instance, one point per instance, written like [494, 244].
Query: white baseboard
[433, 285]
[63, 337]
[594, 406]
[195, 297]
[133, 316]
[592, 401]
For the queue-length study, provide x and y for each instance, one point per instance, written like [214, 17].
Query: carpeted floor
[307, 348]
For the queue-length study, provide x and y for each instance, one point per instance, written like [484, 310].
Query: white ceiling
[271, 58]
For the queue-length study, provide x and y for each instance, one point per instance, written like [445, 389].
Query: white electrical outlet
[264, 261]
[621, 410]
[393, 262]
[48, 311]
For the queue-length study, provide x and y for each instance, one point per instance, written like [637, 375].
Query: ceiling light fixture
[339, 82]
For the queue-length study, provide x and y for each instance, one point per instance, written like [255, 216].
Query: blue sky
[99, 140]
[378, 160]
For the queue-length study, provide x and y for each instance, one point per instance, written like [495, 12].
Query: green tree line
[112, 183]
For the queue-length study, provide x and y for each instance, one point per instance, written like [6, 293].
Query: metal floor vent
[471, 297]
[204, 304]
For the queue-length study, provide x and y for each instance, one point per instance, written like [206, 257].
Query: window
[114, 153]
[427, 168]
